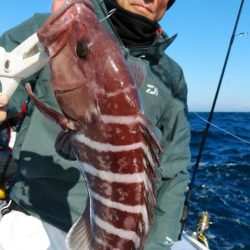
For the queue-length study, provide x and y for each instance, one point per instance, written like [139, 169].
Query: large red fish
[103, 127]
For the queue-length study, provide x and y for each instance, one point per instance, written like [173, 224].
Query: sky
[204, 29]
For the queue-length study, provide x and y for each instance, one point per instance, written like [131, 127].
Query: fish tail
[79, 235]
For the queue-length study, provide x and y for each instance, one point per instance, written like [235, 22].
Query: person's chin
[140, 10]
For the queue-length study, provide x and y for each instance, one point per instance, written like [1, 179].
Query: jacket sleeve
[11, 39]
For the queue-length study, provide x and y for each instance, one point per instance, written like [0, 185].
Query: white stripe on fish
[117, 92]
[115, 177]
[107, 147]
[128, 235]
[123, 120]
[137, 209]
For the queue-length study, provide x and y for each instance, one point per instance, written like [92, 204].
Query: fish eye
[81, 49]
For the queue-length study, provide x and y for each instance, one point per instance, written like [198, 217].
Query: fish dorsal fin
[64, 147]
[137, 72]
[152, 143]
[79, 235]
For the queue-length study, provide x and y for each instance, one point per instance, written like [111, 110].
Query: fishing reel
[202, 225]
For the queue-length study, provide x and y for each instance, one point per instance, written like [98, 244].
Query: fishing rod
[205, 134]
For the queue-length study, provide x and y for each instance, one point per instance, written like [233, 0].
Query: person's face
[152, 9]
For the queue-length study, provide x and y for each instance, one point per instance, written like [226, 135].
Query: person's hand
[3, 104]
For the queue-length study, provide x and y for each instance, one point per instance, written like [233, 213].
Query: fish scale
[103, 128]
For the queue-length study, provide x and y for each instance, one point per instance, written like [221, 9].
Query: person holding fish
[116, 108]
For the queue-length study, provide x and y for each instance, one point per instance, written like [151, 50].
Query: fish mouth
[57, 28]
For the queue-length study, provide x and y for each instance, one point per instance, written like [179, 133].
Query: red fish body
[103, 127]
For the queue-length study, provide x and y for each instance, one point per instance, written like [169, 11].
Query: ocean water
[222, 185]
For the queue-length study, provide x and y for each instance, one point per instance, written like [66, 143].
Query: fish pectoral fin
[79, 235]
[50, 113]
[64, 147]
[137, 72]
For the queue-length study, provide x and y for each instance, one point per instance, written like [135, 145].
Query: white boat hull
[188, 242]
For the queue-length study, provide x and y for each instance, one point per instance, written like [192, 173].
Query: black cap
[170, 3]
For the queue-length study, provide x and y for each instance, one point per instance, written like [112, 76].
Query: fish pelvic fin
[50, 113]
[63, 143]
[79, 235]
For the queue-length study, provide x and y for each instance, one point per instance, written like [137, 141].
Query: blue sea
[222, 185]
